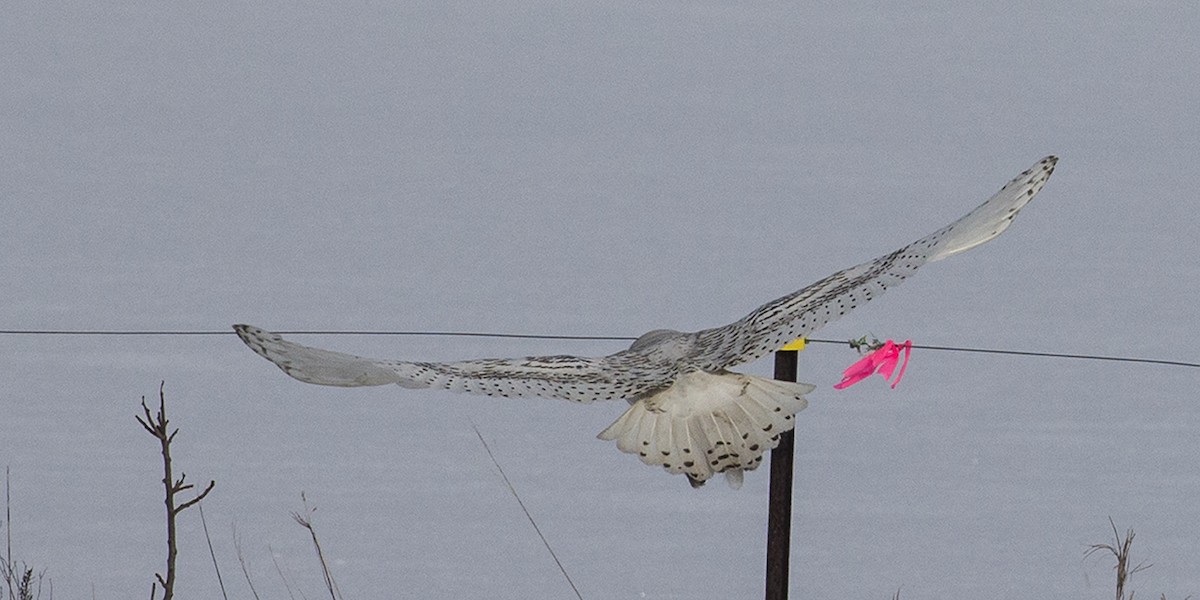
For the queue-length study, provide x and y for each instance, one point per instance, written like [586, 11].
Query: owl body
[688, 413]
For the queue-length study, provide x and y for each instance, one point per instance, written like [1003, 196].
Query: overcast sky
[596, 168]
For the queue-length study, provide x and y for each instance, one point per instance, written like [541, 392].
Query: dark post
[779, 513]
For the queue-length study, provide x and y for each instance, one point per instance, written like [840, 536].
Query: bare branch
[157, 425]
[198, 498]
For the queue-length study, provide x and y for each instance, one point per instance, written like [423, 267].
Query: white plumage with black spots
[688, 413]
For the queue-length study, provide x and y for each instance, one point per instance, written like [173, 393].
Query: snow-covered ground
[597, 168]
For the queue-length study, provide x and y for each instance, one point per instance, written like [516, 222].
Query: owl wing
[567, 377]
[800, 313]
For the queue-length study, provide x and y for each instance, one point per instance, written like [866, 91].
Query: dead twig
[157, 425]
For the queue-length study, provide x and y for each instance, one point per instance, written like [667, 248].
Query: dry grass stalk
[305, 521]
[1120, 550]
[20, 580]
[237, 546]
[211, 552]
[278, 569]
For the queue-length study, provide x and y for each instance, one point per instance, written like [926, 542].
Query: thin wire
[1152, 361]
[526, 511]
[184, 332]
[537, 336]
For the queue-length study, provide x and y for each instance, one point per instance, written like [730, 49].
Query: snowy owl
[688, 412]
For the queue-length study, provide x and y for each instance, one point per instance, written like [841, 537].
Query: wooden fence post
[779, 515]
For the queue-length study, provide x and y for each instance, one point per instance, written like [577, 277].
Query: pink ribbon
[882, 361]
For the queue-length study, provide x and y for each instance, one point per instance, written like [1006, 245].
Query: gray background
[600, 168]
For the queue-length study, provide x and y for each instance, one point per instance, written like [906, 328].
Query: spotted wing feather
[800, 313]
[567, 377]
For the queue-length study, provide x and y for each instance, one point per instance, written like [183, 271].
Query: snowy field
[596, 169]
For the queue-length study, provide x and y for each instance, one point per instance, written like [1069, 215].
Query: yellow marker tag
[796, 344]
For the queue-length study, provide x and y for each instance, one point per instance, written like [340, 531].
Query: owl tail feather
[707, 423]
